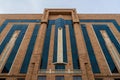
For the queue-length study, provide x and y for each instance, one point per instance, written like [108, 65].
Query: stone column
[35, 62]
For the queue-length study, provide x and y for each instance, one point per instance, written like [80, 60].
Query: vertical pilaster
[35, 62]
[85, 66]
[33, 69]
[87, 74]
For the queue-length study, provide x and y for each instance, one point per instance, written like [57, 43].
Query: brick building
[59, 44]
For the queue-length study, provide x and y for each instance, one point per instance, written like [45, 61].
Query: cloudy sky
[37, 6]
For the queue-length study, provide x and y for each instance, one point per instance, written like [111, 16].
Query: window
[22, 28]
[117, 79]
[97, 29]
[98, 79]
[45, 51]
[77, 78]
[2, 79]
[59, 66]
[29, 51]
[59, 78]
[91, 53]
[21, 79]
[42, 78]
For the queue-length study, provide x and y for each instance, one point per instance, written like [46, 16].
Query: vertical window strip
[90, 50]
[13, 53]
[75, 58]
[108, 57]
[29, 51]
[113, 39]
[44, 58]
[64, 45]
[60, 23]
[55, 45]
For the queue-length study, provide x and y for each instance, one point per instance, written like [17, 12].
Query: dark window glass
[117, 79]
[59, 66]
[44, 59]
[17, 20]
[30, 49]
[77, 78]
[59, 78]
[2, 79]
[98, 79]
[22, 28]
[97, 29]
[90, 50]
[42, 78]
[21, 79]
[75, 57]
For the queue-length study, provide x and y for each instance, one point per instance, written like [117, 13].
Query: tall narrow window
[29, 51]
[60, 42]
[75, 57]
[97, 28]
[60, 52]
[45, 52]
[22, 28]
[59, 66]
[93, 60]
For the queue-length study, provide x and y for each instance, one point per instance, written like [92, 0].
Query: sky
[37, 6]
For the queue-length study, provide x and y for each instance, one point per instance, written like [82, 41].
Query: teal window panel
[29, 51]
[22, 28]
[90, 50]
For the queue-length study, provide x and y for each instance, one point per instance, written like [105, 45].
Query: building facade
[59, 44]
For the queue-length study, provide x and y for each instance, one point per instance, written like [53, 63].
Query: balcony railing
[59, 71]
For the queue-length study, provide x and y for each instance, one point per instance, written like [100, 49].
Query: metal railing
[59, 71]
